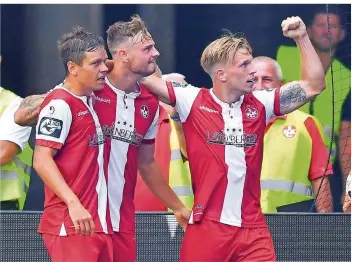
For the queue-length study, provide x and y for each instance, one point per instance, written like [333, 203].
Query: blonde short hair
[223, 50]
[121, 31]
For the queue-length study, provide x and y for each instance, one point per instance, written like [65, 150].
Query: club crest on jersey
[251, 112]
[50, 127]
[289, 131]
[144, 111]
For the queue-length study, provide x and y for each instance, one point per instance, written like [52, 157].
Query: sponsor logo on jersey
[124, 132]
[177, 84]
[232, 137]
[82, 113]
[104, 100]
[208, 109]
[51, 110]
[50, 127]
[96, 139]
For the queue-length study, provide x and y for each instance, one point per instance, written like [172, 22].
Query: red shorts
[213, 241]
[96, 247]
[124, 246]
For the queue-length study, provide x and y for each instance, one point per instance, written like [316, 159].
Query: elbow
[4, 159]
[319, 85]
[316, 88]
[144, 168]
[6, 155]
[18, 119]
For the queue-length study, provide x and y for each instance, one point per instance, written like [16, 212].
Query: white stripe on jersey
[235, 159]
[101, 186]
[118, 160]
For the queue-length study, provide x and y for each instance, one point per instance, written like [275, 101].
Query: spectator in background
[321, 107]
[345, 147]
[288, 59]
[295, 156]
[15, 154]
[170, 154]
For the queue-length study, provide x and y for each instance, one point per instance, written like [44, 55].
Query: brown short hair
[120, 31]
[72, 46]
[223, 50]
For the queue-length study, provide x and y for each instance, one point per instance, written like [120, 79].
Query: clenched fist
[293, 27]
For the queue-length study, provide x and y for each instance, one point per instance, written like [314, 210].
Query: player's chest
[230, 121]
[124, 118]
[86, 125]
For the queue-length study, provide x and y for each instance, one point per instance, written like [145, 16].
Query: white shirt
[9, 130]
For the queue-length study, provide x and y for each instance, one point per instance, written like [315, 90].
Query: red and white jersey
[69, 124]
[127, 121]
[225, 151]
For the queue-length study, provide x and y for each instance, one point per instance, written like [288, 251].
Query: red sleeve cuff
[277, 102]
[148, 141]
[46, 143]
[171, 91]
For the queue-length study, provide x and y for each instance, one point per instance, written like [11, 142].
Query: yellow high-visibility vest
[179, 172]
[15, 176]
[322, 107]
[286, 162]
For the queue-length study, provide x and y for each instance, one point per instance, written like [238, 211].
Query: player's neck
[77, 89]
[226, 95]
[123, 80]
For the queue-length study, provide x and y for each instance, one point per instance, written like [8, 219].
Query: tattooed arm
[295, 94]
[27, 113]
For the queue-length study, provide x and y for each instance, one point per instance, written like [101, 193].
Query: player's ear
[72, 68]
[220, 74]
[122, 53]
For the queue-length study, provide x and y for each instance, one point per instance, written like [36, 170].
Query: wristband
[175, 118]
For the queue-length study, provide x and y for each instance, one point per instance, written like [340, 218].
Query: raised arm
[295, 94]
[28, 112]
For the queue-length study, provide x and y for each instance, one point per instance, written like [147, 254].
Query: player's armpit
[28, 111]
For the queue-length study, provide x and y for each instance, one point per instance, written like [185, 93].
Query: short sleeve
[149, 137]
[271, 101]
[9, 130]
[182, 98]
[320, 155]
[54, 124]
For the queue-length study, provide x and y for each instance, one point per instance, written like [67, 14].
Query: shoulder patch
[50, 127]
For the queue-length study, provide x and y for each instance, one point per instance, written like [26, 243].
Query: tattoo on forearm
[292, 94]
[32, 103]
